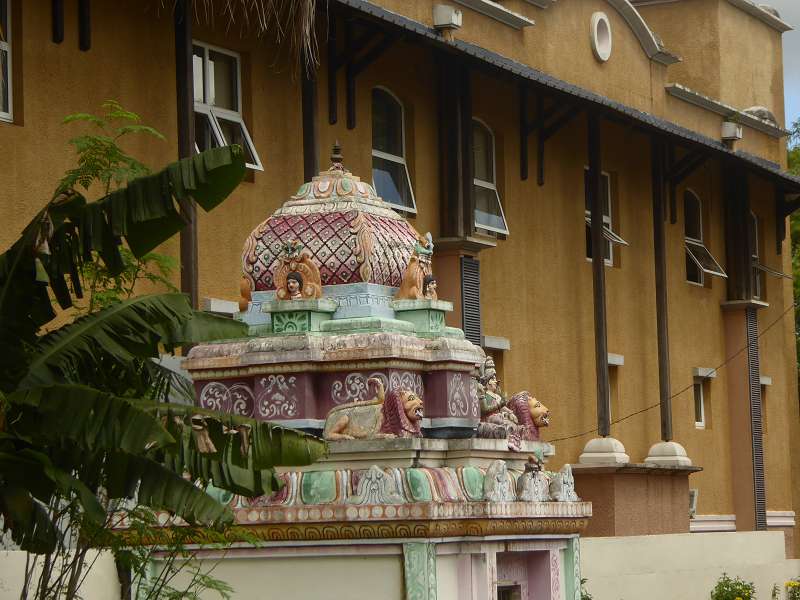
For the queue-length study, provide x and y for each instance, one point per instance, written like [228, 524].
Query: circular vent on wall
[601, 36]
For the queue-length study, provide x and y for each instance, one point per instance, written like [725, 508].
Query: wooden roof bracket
[547, 122]
[359, 52]
[677, 172]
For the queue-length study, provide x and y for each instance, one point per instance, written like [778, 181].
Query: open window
[5, 61]
[699, 260]
[489, 215]
[389, 169]
[760, 270]
[218, 102]
[609, 237]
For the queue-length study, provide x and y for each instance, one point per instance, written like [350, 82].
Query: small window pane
[203, 132]
[391, 182]
[692, 216]
[487, 210]
[223, 71]
[605, 192]
[387, 123]
[4, 98]
[693, 272]
[483, 153]
[197, 73]
[606, 243]
[233, 133]
[699, 408]
[3, 20]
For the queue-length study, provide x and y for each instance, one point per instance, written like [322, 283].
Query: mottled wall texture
[536, 287]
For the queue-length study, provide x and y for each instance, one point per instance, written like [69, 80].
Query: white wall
[683, 566]
[100, 584]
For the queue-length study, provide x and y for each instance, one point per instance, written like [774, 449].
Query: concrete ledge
[711, 523]
[635, 469]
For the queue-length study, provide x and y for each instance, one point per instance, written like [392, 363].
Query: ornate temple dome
[353, 236]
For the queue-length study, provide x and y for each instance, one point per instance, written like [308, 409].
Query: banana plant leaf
[92, 419]
[27, 519]
[59, 238]
[267, 445]
[110, 340]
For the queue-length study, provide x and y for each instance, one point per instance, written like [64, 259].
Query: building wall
[536, 286]
[684, 566]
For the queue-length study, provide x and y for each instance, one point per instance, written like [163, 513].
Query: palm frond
[110, 341]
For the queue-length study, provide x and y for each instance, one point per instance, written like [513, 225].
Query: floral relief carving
[278, 398]
[407, 380]
[458, 404]
[354, 387]
[214, 396]
[242, 401]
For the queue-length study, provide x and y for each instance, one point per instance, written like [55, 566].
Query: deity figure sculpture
[515, 419]
[396, 414]
[429, 288]
[297, 276]
[413, 285]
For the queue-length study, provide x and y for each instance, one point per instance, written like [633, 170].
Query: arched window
[699, 260]
[389, 170]
[488, 209]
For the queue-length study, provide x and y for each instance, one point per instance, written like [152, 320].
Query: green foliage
[792, 589]
[82, 426]
[106, 289]
[100, 158]
[733, 589]
[585, 595]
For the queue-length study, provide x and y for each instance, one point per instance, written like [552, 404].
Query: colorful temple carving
[348, 341]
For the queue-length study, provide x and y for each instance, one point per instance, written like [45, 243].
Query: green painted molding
[419, 570]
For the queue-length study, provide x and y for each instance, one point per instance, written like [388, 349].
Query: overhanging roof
[610, 107]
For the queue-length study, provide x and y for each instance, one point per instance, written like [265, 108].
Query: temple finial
[336, 153]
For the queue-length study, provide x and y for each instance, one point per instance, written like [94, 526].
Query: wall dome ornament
[601, 36]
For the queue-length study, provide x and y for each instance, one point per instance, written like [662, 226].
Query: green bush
[733, 589]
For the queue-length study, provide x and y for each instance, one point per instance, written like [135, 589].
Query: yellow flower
[738, 598]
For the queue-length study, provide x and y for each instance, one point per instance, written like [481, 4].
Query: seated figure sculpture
[417, 279]
[515, 419]
[393, 415]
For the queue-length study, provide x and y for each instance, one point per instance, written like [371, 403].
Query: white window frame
[608, 231]
[688, 239]
[699, 383]
[400, 160]
[5, 44]
[490, 185]
[756, 259]
[213, 111]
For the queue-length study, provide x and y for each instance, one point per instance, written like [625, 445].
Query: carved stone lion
[417, 277]
[396, 414]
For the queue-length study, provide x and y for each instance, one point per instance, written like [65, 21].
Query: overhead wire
[682, 390]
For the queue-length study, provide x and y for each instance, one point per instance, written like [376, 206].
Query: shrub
[733, 589]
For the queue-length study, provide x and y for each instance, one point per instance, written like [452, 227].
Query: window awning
[608, 234]
[704, 259]
[770, 271]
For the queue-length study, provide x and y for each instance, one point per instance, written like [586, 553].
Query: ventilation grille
[471, 299]
[754, 375]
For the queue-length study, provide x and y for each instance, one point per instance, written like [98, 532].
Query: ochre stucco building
[532, 104]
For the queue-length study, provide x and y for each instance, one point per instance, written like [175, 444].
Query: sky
[790, 12]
